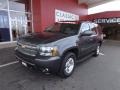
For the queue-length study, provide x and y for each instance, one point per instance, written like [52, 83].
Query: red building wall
[109, 14]
[44, 11]
[36, 12]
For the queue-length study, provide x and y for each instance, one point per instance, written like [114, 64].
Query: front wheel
[68, 65]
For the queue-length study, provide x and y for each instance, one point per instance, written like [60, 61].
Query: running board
[85, 58]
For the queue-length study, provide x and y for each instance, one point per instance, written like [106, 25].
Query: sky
[110, 6]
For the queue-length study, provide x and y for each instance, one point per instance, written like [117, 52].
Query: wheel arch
[74, 50]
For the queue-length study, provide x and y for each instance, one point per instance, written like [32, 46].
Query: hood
[42, 38]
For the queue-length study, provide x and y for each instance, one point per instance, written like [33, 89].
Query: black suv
[59, 47]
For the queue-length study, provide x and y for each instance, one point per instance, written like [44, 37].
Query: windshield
[64, 28]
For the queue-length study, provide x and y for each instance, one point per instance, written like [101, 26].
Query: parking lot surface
[97, 73]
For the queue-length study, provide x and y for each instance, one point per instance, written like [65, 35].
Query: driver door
[84, 39]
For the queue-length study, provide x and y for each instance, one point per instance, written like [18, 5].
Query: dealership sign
[65, 16]
[107, 20]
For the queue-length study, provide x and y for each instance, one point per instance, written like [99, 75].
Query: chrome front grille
[27, 49]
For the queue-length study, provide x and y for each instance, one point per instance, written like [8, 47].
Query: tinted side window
[93, 28]
[85, 27]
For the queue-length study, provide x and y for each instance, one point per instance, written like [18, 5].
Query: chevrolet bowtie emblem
[23, 46]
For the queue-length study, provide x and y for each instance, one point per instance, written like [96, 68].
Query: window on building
[3, 4]
[4, 26]
[21, 17]
[21, 24]
[20, 5]
[15, 19]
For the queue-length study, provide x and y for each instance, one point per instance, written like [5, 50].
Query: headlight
[48, 51]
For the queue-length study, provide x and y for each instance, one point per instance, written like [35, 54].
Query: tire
[97, 51]
[68, 65]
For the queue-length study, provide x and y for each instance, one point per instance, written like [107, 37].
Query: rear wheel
[97, 51]
[68, 65]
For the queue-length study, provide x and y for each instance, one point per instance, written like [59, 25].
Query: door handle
[91, 39]
[93, 35]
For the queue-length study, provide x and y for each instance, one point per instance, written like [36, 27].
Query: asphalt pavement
[97, 73]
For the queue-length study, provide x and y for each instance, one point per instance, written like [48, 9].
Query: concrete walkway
[7, 45]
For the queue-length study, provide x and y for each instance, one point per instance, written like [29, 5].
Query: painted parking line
[8, 64]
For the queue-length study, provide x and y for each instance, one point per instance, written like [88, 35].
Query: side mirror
[86, 33]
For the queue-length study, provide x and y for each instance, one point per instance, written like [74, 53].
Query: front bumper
[51, 63]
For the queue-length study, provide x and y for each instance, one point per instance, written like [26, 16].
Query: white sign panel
[65, 16]
[107, 20]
